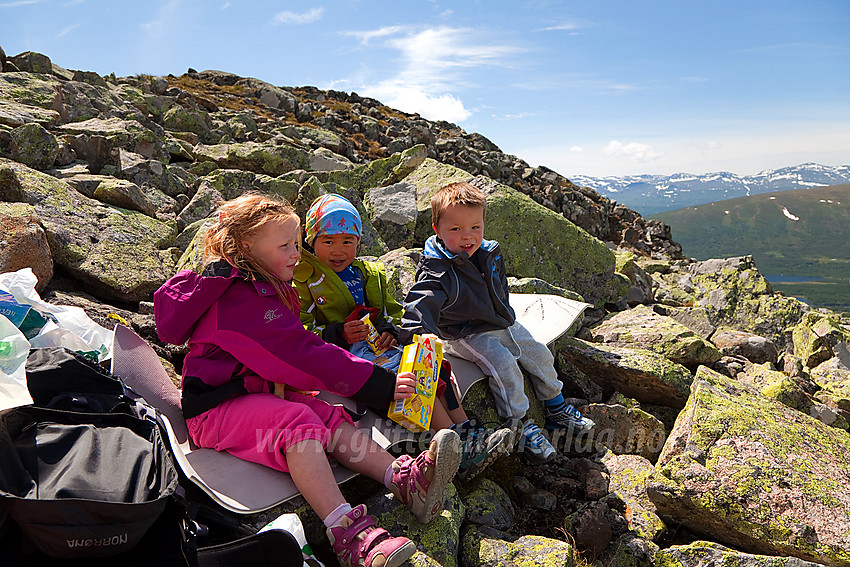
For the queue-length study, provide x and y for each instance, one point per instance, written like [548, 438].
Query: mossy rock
[814, 337]
[30, 89]
[489, 547]
[36, 147]
[755, 474]
[121, 254]
[232, 183]
[270, 159]
[641, 327]
[735, 294]
[704, 553]
[638, 373]
[628, 477]
[377, 173]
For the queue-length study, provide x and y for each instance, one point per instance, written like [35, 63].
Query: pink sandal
[358, 542]
[424, 497]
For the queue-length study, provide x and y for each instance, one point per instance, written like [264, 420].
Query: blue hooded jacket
[455, 296]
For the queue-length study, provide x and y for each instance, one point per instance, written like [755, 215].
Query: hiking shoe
[358, 542]
[421, 483]
[481, 449]
[568, 418]
[534, 445]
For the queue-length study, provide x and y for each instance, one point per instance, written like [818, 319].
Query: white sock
[388, 477]
[333, 518]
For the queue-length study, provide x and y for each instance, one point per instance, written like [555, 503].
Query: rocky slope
[722, 406]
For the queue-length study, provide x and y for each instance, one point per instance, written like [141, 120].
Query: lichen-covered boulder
[35, 146]
[735, 294]
[153, 173]
[641, 374]
[401, 270]
[23, 243]
[15, 114]
[392, 210]
[120, 254]
[377, 173]
[815, 336]
[271, 159]
[626, 430]
[181, 119]
[756, 349]
[640, 290]
[777, 385]
[755, 474]
[833, 376]
[704, 553]
[487, 504]
[192, 257]
[488, 547]
[129, 135]
[32, 62]
[629, 550]
[234, 182]
[628, 477]
[124, 194]
[318, 136]
[323, 159]
[641, 327]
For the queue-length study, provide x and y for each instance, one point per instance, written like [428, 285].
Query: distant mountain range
[650, 194]
[800, 239]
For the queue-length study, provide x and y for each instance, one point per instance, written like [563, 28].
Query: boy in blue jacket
[461, 295]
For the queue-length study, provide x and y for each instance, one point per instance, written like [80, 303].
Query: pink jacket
[241, 337]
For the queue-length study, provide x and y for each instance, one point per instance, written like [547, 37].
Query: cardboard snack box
[423, 357]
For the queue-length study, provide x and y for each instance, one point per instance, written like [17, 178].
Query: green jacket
[326, 302]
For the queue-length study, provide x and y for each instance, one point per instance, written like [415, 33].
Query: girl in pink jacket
[246, 341]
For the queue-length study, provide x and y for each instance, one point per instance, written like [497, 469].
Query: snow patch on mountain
[650, 194]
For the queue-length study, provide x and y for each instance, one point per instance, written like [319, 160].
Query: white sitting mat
[248, 488]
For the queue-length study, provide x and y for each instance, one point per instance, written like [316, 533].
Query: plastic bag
[14, 348]
[66, 326]
[292, 524]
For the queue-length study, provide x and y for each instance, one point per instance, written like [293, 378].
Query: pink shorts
[260, 427]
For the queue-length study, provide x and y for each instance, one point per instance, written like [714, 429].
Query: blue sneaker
[534, 445]
[568, 418]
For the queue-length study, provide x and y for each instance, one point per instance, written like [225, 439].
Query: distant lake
[793, 279]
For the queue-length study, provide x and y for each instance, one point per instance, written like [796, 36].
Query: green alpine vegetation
[799, 239]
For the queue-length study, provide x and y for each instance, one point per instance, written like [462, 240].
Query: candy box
[423, 357]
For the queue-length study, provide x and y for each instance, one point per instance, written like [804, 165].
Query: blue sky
[586, 87]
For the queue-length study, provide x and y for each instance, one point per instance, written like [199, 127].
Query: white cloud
[364, 37]
[576, 149]
[566, 26]
[161, 27]
[226, 5]
[308, 17]
[435, 64]
[634, 151]
[19, 3]
[443, 106]
[68, 30]
[518, 116]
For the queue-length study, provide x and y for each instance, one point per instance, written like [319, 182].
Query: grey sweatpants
[498, 354]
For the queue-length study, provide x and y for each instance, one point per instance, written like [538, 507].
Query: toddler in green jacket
[337, 289]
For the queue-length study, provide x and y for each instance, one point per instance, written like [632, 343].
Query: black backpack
[86, 478]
